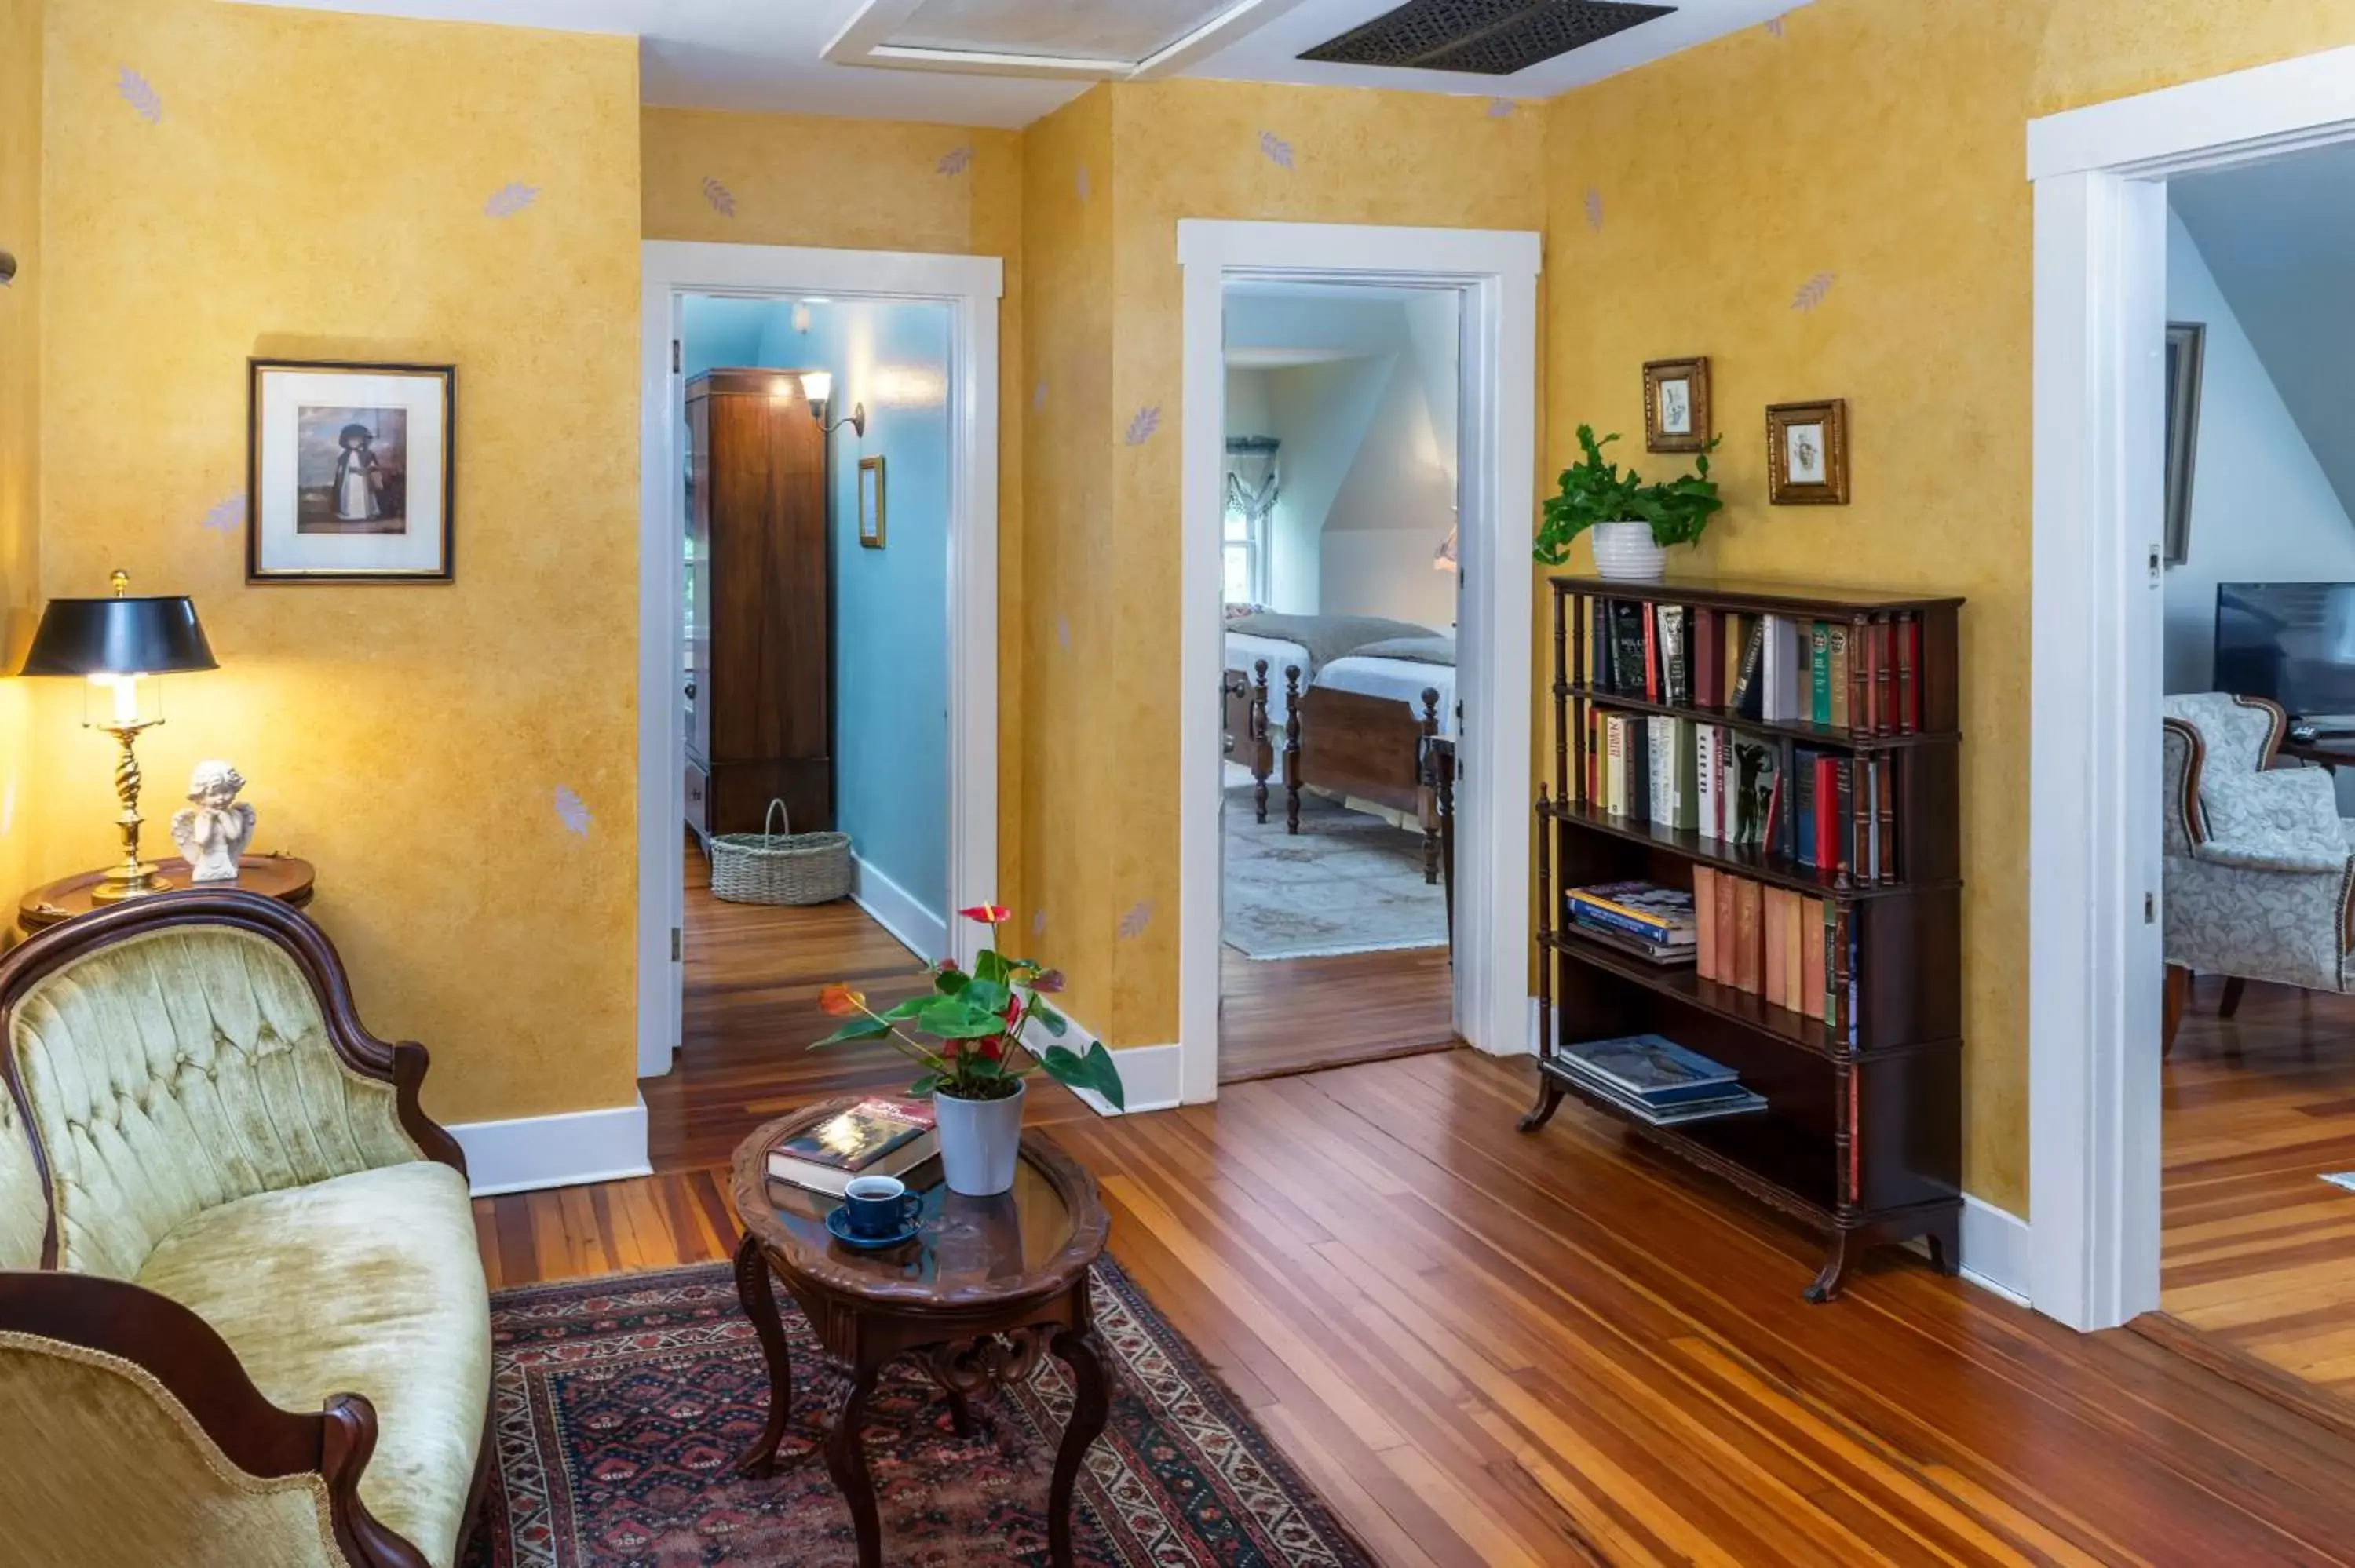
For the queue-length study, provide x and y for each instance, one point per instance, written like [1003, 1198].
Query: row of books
[1821, 810]
[1796, 951]
[1862, 675]
[1656, 1080]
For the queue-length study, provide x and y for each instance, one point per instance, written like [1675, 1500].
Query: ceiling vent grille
[1487, 37]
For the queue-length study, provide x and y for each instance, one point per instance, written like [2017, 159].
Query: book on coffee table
[873, 1138]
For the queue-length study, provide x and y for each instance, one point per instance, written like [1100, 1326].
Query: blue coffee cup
[877, 1206]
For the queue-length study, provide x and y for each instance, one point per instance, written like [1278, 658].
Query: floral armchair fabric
[2259, 867]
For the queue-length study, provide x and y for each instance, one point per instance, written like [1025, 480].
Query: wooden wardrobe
[760, 678]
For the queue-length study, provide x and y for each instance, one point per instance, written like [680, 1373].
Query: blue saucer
[837, 1222]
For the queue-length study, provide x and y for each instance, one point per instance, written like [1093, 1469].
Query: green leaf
[1094, 1070]
[987, 995]
[923, 1085]
[856, 1029]
[952, 1019]
[950, 981]
[1055, 1023]
[988, 967]
[902, 1010]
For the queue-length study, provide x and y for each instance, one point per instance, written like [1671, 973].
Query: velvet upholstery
[180, 1069]
[368, 1283]
[89, 1442]
[23, 1203]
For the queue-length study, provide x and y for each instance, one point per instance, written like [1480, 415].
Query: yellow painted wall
[1881, 146]
[853, 184]
[20, 234]
[314, 184]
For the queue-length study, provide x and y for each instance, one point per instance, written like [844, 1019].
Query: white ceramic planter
[1625, 551]
[980, 1140]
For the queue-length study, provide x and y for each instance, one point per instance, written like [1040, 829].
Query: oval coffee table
[985, 1285]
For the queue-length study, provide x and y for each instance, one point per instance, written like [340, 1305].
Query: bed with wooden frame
[1348, 743]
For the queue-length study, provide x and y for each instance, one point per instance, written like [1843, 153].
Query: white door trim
[2096, 634]
[971, 286]
[1497, 273]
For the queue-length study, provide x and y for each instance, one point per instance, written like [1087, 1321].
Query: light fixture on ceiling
[1091, 40]
[817, 390]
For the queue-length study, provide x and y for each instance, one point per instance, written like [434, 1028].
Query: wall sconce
[1444, 558]
[7, 268]
[817, 386]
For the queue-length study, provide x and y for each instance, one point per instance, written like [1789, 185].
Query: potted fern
[1634, 522]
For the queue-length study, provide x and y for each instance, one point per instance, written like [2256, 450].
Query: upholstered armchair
[2259, 869]
[243, 1317]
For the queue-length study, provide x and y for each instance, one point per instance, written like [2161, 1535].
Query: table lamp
[115, 644]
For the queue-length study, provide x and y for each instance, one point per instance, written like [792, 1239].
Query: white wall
[2262, 508]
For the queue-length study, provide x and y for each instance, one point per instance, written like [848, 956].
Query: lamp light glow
[817, 386]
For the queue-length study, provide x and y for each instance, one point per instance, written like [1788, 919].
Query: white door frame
[971, 286]
[2095, 956]
[1497, 271]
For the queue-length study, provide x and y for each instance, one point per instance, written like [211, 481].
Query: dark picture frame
[1821, 479]
[871, 501]
[384, 439]
[1663, 403]
[2187, 353]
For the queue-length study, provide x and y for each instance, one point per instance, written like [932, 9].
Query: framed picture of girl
[350, 472]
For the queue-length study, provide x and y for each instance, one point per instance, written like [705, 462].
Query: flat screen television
[2293, 642]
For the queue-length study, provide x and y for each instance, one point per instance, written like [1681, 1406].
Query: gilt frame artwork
[1806, 453]
[1676, 404]
[351, 471]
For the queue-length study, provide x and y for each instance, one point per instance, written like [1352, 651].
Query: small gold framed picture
[1676, 404]
[1806, 453]
[871, 501]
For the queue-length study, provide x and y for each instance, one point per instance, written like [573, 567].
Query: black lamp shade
[119, 637]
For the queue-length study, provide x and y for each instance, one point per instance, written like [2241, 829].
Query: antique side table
[279, 877]
[984, 1287]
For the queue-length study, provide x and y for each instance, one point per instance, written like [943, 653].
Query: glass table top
[962, 1242]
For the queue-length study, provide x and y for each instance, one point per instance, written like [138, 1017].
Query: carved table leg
[1090, 1409]
[760, 1299]
[1835, 1270]
[846, 1458]
[1549, 1100]
[961, 1414]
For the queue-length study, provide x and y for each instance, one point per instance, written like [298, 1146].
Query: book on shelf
[1776, 915]
[1749, 681]
[1705, 922]
[1651, 690]
[1791, 950]
[1651, 1068]
[1836, 659]
[1733, 1101]
[1706, 659]
[1820, 674]
[1661, 953]
[876, 1136]
[1642, 909]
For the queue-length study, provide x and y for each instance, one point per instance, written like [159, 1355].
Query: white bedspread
[1401, 680]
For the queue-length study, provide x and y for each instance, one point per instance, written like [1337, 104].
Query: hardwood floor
[2257, 1250]
[1294, 1015]
[1486, 1347]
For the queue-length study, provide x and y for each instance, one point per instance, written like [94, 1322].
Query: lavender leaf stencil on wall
[1083, 182]
[1499, 108]
[144, 100]
[1038, 394]
[1811, 292]
[1775, 26]
[510, 199]
[224, 517]
[953, 162]
[1141, 429]
[1278, 150]
[572, 810]
[1593, 205]
[1038, 922]
[1133, 924]
[722, 200]
[1063, 633]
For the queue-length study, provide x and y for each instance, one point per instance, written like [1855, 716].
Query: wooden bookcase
[1862, 1137]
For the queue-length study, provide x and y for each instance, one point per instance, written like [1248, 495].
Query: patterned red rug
[622, 1402]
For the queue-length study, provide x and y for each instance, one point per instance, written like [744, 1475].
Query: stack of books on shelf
[1653, 923]
[1656, 1080]
[1796, 951]
[1857, 676]
[874, 1138]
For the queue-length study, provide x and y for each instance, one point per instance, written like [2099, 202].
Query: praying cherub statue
[215, 830]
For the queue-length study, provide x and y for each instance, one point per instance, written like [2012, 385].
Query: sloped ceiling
[2280, 238]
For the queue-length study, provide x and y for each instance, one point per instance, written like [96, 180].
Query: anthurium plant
[977, 1023]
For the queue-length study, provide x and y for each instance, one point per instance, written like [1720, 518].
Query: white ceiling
[767, 55]
[2279, 236]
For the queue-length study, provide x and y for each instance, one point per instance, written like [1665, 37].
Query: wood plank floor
[1295, 1015]
[2257, 1250]
[1485, 1348]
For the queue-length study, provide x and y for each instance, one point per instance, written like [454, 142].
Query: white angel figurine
[215, 830]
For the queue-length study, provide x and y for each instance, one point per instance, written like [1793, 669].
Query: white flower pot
[1625, 551]
[980, 1140]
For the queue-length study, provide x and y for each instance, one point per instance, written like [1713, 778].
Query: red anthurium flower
[841, 1001]
[1047, 980]
[1013, 1009]
[992, 1048]
[986, 914]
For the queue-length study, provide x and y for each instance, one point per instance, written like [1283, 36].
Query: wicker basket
[780, 868]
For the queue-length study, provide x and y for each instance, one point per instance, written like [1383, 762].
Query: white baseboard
[564, 1150]
[898, 911]
[1995, 1250]
[1148, 1073]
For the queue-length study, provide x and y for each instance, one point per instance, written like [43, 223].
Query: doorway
[1492, 278]
[915, 338]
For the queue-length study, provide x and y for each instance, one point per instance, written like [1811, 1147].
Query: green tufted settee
[243, 1317]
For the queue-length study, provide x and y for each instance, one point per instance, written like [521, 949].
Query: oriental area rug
[1347, 882]
[621, 1404]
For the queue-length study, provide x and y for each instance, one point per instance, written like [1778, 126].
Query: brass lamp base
[133, 878]
[126, 882]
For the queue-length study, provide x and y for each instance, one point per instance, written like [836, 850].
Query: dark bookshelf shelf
[1756, 593]
[1821, 735]
[1755, 865]
[1800, 1168]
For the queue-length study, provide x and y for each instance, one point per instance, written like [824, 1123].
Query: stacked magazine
[1654, 922]
[1656, 1080]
